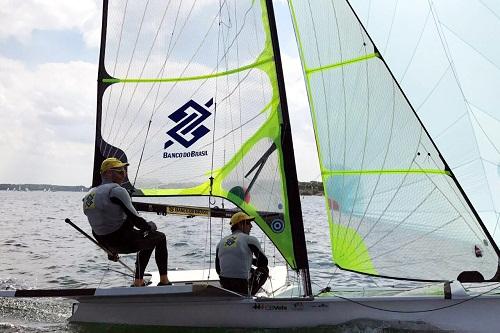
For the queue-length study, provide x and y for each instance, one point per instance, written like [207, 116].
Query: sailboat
[191, 94]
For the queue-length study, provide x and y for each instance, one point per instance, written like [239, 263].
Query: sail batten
[191, 78]
[309, 71]
[357, 172]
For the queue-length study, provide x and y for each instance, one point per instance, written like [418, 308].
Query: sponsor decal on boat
[297, 306]
[187, 211]
[270, 307]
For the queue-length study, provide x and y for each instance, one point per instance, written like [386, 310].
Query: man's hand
[113, 256]
[152, 225]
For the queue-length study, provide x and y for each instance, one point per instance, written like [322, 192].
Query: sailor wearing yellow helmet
[235, 256]
[112, 217]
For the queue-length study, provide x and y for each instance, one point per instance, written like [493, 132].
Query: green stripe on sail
[378, 172]
[342, 63]
[193, 78]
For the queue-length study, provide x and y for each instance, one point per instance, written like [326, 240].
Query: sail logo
[277, 225]
[189, 128]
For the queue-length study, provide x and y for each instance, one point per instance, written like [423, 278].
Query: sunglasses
[120, 171]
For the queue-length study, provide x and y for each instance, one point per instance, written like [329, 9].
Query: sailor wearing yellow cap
[235, 256]
[112, 217]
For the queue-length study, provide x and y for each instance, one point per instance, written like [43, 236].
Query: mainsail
[190, 94]
[395, 208]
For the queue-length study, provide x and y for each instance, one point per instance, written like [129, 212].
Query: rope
[413, 311]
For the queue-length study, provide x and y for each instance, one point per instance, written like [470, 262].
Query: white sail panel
[395, 209]
[450, 62]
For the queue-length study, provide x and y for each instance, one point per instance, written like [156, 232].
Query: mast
[291, 182]
[101, 87]
[447, 167]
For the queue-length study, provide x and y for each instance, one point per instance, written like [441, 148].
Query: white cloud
[47, 118]
[20, 18]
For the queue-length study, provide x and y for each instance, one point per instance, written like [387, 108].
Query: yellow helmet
[240, 217]
[111, 163]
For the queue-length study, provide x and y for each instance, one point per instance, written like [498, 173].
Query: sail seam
[192, 78]
[396, 171]
[342, 63]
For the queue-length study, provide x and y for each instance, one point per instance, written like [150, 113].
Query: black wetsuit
[106, 206]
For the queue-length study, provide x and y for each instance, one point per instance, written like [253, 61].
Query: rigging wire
[142, 154]
[469, 44]
[113, 72]
[491, 10]
[418, 311]
[449, 57]
[137, 84]
[392, 24]
[210, 198]
[415, 48]
[103, 274]
[120, 272]
[328, 289]
[170, 49]
[129, 66]
[157, 91]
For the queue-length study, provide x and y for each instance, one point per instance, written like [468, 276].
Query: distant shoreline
[42, 187]
[305, 188]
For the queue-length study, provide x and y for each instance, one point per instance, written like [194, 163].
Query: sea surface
[39, 250]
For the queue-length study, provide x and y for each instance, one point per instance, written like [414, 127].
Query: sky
[48, 70]
[48, 65]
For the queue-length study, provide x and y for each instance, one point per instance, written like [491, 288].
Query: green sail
[189, 97]
[394, 208]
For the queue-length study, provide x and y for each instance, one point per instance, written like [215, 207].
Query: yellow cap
[240, 217]
[111, 163]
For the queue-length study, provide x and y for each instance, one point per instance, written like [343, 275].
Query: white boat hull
[208, 306]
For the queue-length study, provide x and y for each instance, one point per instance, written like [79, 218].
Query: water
[39, 250]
